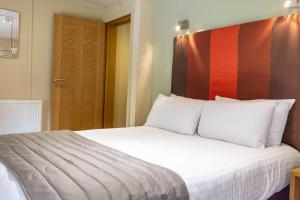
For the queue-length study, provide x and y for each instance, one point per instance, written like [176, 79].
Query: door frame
[110, 66]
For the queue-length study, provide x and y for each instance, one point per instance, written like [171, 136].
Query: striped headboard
[247, 61]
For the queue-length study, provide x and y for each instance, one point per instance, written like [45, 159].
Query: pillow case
[279, 120]
[246, 124]
[176, 114]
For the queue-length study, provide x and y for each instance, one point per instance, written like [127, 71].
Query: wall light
[182, 25]
[291, 3]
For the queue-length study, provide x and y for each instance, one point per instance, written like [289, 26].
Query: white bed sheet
[211, 169]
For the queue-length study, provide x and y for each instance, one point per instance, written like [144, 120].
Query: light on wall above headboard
[291, 3]
[183, 25]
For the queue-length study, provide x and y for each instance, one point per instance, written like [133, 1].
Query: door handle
[59, 80]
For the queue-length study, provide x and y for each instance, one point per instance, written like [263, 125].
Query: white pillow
[240, 123]
[280, 117]
[175, 114]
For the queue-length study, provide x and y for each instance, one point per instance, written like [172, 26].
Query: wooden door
[78, 74]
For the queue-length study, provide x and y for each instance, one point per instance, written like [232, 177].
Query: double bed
[261, 62]
[211, 169]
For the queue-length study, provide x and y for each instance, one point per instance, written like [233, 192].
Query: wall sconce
[291, 3]
[183, 25]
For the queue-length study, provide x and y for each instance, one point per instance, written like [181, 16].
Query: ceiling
[104, 3]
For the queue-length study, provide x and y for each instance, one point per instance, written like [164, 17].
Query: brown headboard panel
[247, 61]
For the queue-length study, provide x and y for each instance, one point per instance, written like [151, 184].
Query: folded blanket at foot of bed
[66, 166]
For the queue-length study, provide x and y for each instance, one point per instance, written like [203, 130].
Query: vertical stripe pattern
[248, 61]
[198, 65]
[285, 70]
[224, 60]
[254, 60]
[179, 72]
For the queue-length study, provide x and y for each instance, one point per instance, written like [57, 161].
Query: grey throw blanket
[66, 166]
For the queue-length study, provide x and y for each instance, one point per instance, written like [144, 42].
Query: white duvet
[211, 169]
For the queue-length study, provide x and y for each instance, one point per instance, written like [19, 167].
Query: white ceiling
[103, 3]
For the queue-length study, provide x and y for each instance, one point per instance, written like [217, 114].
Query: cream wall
[29, 76]
[125, 7]
[203, 14]
[5, 43]
[140, 85]
[122, 70]
[145, 63]
[15, 73]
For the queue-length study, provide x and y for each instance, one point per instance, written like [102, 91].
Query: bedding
[241, 123]
[211, 169]
[66, 166]
[180, 115]
[279, 120]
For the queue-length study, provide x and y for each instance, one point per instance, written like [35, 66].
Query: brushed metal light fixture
[182, 25]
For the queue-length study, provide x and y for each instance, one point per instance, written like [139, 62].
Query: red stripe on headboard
[224, 62]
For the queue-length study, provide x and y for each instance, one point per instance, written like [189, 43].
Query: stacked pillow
[246, 124]
[256, 123]
[279, 119]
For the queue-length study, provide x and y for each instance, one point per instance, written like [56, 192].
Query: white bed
[211, 169]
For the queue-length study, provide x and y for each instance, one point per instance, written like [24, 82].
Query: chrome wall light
[183, 26]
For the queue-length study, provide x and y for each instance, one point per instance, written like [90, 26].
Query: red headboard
[247, 61]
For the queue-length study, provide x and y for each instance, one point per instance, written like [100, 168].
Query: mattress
[211, 169]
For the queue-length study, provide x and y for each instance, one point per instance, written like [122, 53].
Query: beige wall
[141, 62]
[29, 76]
[122, 66]
[15, 73]
[5, 43]
[145, 63]
[117, 10]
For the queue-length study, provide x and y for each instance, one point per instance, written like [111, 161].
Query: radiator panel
[20, 116]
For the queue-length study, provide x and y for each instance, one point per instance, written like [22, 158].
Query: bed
[211, 169]
[256, 60]
[261, 62]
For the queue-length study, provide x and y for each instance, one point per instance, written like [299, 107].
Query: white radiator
[20, 116]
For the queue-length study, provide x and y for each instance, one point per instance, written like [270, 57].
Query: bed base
[282, 195]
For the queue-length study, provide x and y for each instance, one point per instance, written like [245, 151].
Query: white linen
[280, 117]
[211, 169]
[9, 187]
[175, 114]
[240, 123]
